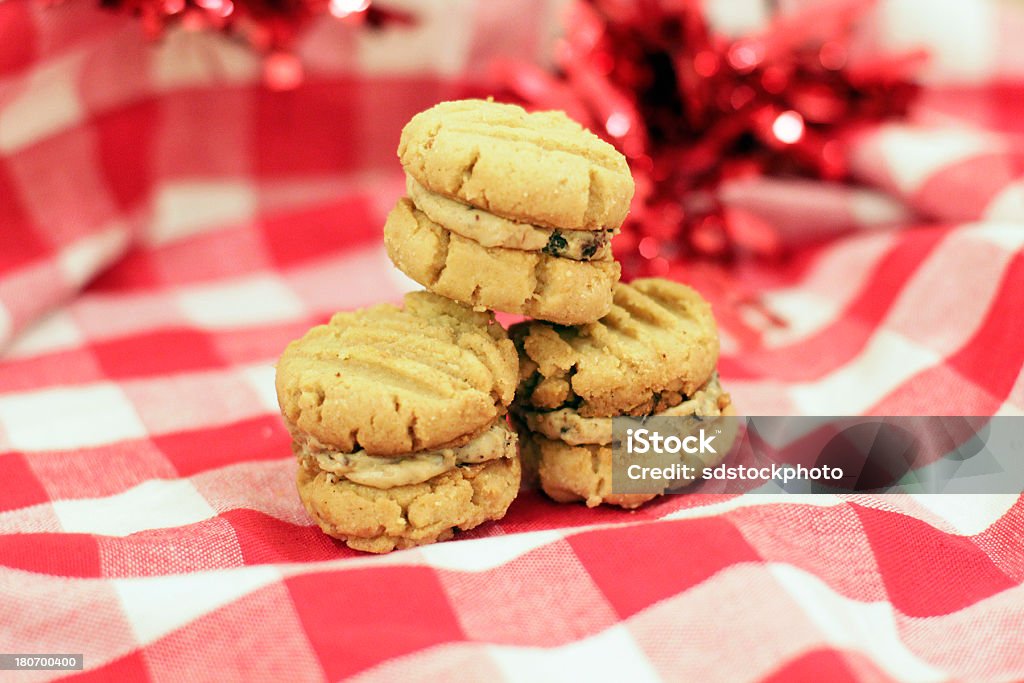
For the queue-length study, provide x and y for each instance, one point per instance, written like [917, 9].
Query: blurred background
[160, 144]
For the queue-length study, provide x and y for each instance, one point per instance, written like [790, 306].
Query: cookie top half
[657, 345]
[392, 380]
[541, 168]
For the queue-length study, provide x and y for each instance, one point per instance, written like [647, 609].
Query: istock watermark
[646, 441]
[818, 454]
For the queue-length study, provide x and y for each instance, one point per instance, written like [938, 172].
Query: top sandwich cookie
[510, 211]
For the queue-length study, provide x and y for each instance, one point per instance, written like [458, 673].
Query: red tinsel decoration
[270, 26]
[691, 108]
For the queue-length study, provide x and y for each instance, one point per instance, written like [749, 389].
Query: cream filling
[388, 472]
[489, 230]
[567, 425]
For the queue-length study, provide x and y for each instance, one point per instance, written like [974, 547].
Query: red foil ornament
[270, 26]
[691, 108]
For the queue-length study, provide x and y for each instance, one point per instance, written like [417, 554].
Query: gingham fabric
[167, 225]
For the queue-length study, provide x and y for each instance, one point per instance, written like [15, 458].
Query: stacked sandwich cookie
[654, 353]
[397, 417]
[510, 211]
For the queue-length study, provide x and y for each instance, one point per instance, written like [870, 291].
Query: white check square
[155, 504]
[69, 417]
[244, 301]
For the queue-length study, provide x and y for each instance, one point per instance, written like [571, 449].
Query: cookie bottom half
[574, 472]
[530, 283]
[381, 520]
[570, 474]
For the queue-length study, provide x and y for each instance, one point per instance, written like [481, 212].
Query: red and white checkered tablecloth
[167, 225]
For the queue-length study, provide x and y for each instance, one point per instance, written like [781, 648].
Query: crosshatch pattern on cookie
[540, 168]
[658, 343]
[392, 381]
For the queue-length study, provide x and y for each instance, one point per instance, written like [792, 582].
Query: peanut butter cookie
[510, 210]
[654, 353]
[397, 417]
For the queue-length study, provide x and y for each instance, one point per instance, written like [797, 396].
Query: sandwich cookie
[654, 353]
[509, 210]
[397, 417]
